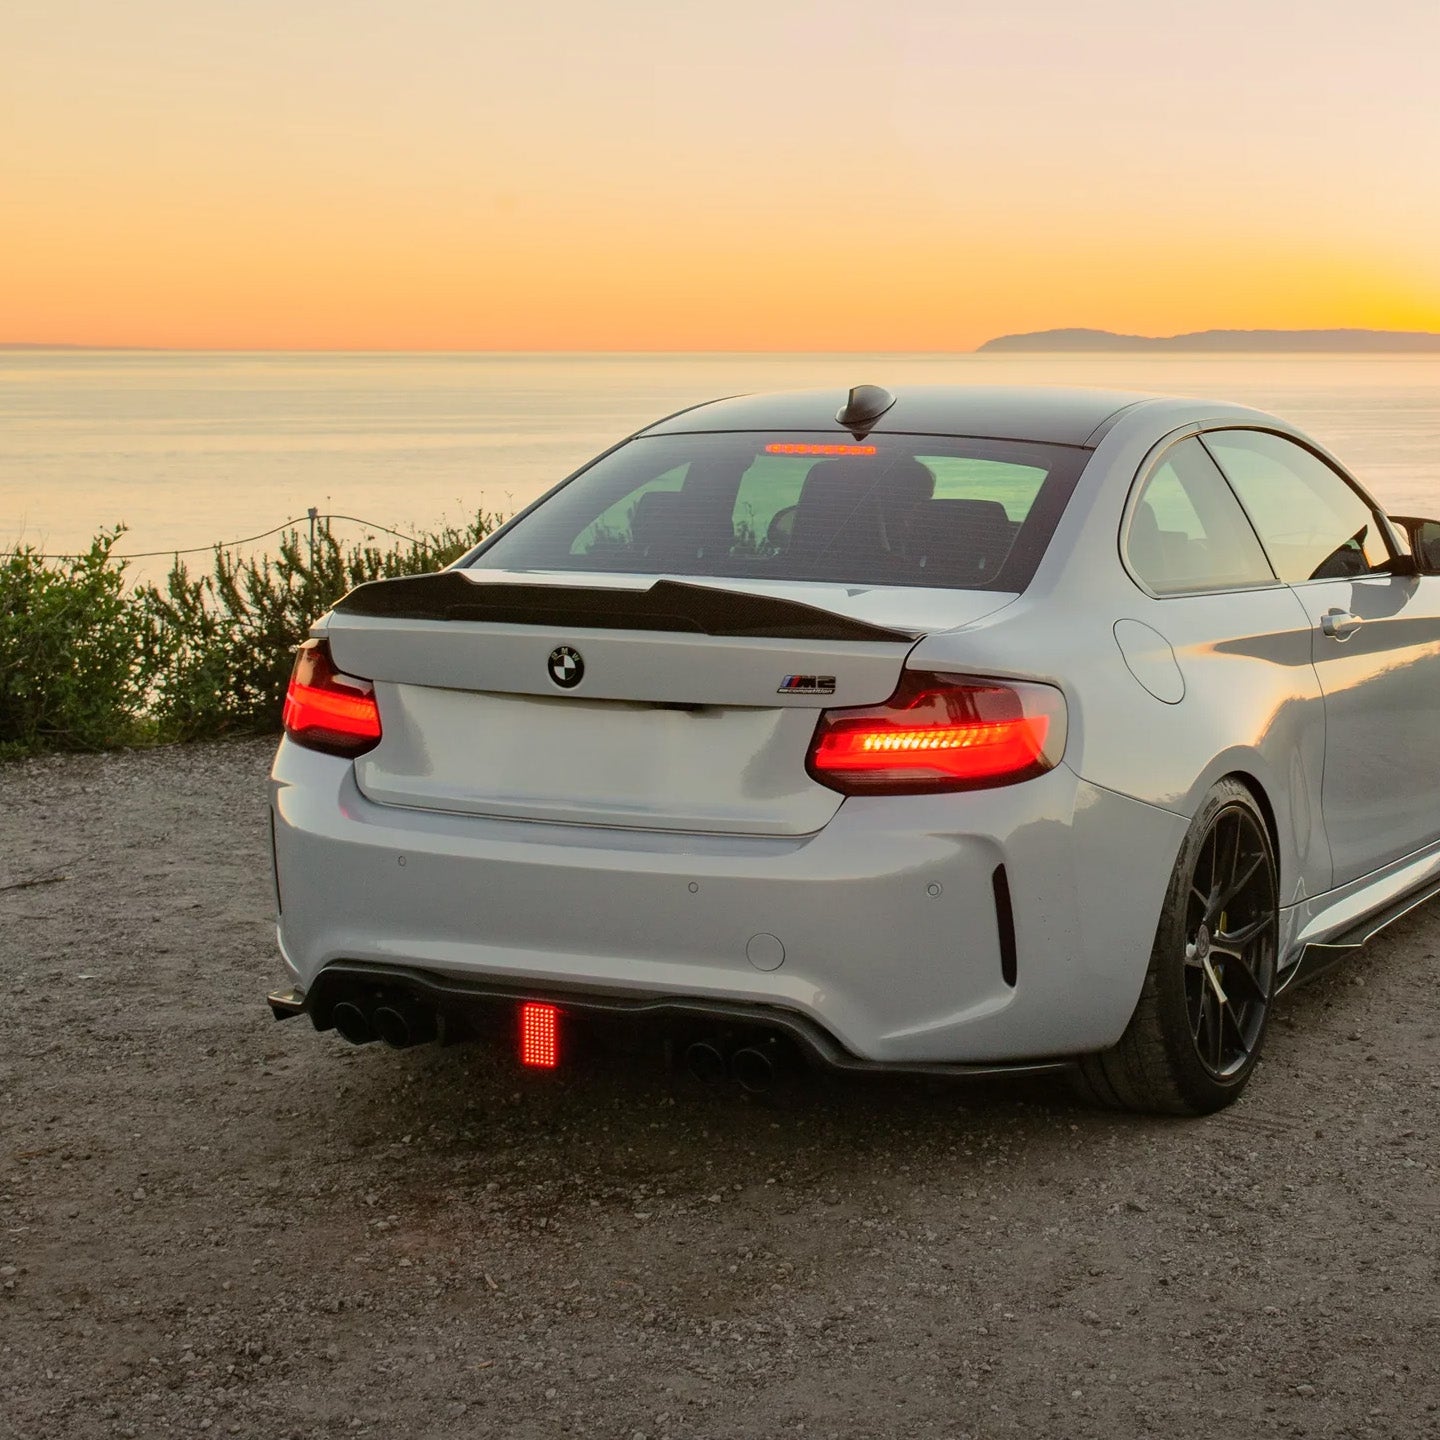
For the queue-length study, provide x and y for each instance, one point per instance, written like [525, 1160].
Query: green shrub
[86, 663]
[221, 645]
[72, 660]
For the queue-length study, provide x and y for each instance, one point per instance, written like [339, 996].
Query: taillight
[326, 710]
[940, 732]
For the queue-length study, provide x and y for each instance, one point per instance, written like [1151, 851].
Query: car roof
[1057, 414]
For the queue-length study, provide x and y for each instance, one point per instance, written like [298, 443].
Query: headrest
[679, 521]
[1144, 545]
[901, 481]
[960, 538]
[1143, 524]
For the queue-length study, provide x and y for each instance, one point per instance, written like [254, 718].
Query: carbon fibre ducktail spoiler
[667, 605]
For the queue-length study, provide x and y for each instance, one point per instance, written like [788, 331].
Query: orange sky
[767, 174]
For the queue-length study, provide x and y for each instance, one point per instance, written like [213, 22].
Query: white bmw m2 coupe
[955, 731]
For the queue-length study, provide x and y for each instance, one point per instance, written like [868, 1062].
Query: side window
[1314, 525]
[1188, 533]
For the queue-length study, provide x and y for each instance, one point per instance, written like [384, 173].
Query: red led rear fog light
[539, 1036]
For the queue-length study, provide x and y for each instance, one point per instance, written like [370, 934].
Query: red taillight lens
[539, 1036]
[941, 732]
[326, 710]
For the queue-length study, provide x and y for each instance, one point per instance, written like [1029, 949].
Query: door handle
[1340, 624]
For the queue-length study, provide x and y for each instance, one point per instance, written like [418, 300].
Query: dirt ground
[214, 1224]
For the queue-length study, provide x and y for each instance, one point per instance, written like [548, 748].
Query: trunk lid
[692, 710]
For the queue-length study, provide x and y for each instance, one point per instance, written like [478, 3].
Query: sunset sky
[762, 174]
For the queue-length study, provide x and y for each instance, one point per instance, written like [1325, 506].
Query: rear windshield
[888, 510]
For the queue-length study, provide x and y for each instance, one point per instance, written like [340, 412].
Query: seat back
[670, 528]
[850, 513]
[963, 540]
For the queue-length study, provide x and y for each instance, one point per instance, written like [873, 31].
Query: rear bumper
[464, 1000]
[879, 932]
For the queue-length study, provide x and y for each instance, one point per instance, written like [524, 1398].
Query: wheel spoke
[1238, 939]
[1217, 1035]
[1234, 856]
[1238, 970]
[1228, 950]
[1237, 886]
[1229, 1014]
[1200, 1027]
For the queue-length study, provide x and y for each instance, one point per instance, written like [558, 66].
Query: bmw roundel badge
[567, 669]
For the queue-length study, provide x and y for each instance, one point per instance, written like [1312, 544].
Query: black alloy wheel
[1193, 1041]
[1230, 942]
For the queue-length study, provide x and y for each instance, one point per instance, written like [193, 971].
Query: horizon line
[70, 346]
[66, 345]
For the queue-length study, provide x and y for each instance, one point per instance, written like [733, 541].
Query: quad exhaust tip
[399, 1022]
[751, 1067]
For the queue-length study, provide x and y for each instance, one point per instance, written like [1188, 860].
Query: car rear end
[656, 752]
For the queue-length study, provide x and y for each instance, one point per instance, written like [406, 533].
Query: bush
[86, 664]
[71, 652]
[221, 646]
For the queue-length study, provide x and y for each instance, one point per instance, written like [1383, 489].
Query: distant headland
[1352, 342]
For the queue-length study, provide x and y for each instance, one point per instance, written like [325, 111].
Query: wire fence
[310, 518]
[95, 655]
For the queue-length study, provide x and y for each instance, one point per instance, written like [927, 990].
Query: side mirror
[1427, 547]
[1424, 538]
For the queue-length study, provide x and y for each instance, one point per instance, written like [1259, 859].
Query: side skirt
[1319, 956]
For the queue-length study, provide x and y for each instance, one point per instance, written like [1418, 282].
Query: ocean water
[186, 449]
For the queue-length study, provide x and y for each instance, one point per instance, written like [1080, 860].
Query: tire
[1195, 1037]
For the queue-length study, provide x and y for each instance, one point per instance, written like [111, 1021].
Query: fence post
[314, 513]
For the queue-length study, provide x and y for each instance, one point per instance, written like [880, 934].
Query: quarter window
[1188, 533]
[1314, 524]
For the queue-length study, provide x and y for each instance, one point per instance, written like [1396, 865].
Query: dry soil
[214, 1224]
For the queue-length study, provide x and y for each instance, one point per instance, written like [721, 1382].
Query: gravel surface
[213, 1224]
